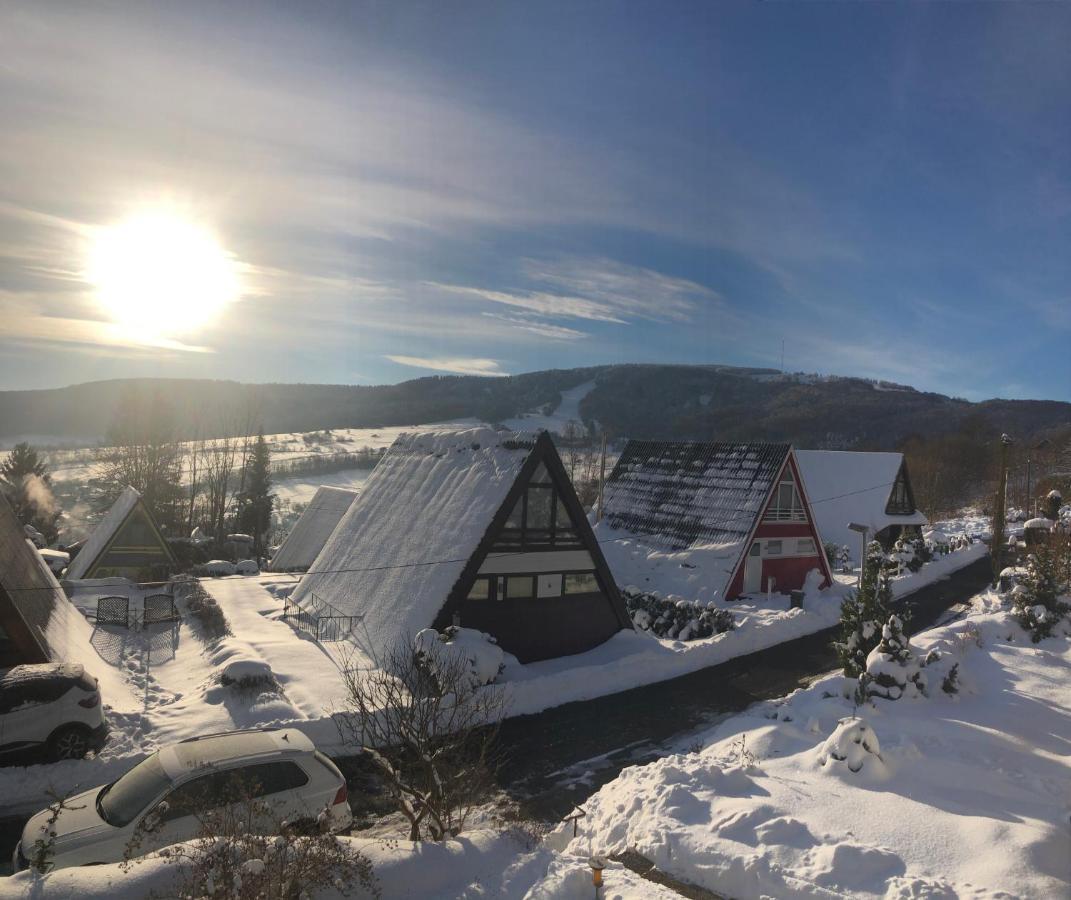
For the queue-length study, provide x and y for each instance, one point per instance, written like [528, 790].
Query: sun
[158, 274]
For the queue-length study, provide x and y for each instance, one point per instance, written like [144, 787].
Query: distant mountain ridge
[638, 400]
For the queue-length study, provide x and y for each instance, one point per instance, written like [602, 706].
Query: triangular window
[539, 517]
[901, 503]
[786, 505]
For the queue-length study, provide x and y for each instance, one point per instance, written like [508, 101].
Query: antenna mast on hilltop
[782, 356]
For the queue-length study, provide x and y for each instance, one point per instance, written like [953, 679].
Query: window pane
[272, 778]
[480, 590]
[515, 519]
[519, 587]
[540, 475]
[773, 548]
[540, 503]
[562, 519]
[584, 583]
[805, 545]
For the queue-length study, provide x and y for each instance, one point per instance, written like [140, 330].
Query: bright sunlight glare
[158, 274]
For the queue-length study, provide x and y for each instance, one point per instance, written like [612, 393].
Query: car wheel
[68, 742]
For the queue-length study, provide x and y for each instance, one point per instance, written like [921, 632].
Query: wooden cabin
[480, 528]
[872, 489]
[742, 504]
[127, 543]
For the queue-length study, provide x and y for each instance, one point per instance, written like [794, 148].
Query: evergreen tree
[892, 668]
[1038, 602]
[25, 481]
[863, 613]
[255, 502]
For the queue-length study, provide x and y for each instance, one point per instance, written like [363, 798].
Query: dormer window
[786, 505]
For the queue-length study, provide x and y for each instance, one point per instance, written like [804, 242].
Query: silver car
[159, 798]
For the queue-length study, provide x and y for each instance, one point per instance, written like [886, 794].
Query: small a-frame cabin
[312, 529]
[127, 543]
[742, 504]
[872, 489]
[480, 528]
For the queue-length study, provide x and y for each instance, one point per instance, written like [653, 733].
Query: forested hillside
[656, 401]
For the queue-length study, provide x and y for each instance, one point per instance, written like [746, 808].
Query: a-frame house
[867, 488]
[743, 505]
[312, 529]
[480, 528]
[126, 543]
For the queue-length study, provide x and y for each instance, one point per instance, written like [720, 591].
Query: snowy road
[559, 757]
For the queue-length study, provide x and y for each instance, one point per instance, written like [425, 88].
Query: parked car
[56, 707]
[160, 798]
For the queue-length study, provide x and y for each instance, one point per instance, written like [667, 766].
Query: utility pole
[996, 546]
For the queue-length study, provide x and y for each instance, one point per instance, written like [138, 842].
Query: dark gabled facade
[538, 580]
[126, 543]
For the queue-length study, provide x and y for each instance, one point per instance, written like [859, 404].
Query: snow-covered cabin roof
[400, 547]
[684, 493]
[103, 533]
[56, 629]
[850, 486]
[312, 529]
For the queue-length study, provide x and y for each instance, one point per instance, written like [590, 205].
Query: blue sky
[501, 187]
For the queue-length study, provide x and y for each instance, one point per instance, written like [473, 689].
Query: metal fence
[319, 620]
[159, 608]
[113, 611]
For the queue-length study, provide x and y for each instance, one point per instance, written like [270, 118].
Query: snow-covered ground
[567, 411]
[968, 797]
[958, 796]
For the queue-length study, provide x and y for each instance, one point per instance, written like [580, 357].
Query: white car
[158, 799]
[53, 706]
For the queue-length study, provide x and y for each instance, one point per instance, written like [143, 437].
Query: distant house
[312, 529]
[871, 489]
[127, 543]
[477, 527]
[36, 618]
[741, 504]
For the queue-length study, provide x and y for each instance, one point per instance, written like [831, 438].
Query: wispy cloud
[456, 365]
[535, 326]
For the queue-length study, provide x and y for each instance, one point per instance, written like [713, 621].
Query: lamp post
[1029, 460]
[863, 531]
[996, 548]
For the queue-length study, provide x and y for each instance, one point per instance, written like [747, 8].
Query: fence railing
[116, 610]
[319, 620]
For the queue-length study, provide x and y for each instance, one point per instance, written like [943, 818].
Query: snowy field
[958, 796]
[964, 796]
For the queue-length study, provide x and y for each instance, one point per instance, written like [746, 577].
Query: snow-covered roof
[684, 493]
[103, 533]
[312, 529]
[850, 486]
[401, 546]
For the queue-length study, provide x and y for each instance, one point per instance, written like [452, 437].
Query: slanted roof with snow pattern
[312, 529]
[101, 538]
[685, 493]
[850, 486]
[103, 533]
[401, 546]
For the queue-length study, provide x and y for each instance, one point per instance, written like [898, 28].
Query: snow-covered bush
[863, 613]
[216, 568]
[892, 668]
[854, 744]
[674, 617]
[478, 651]
[203, 607]
[1038, 599]
[247, 567]
[246, 673]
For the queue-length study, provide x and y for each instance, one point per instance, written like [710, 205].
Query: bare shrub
[203, 607]
[244, 850]
[428, 731]
[43, 851]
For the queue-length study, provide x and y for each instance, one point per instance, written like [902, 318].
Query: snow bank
[773, 804]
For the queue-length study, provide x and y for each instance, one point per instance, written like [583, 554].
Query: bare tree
[429, 731]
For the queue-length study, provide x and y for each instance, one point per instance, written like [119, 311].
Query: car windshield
[122, 800]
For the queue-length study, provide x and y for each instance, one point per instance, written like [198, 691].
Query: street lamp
[1041, 445]
[863, 531]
